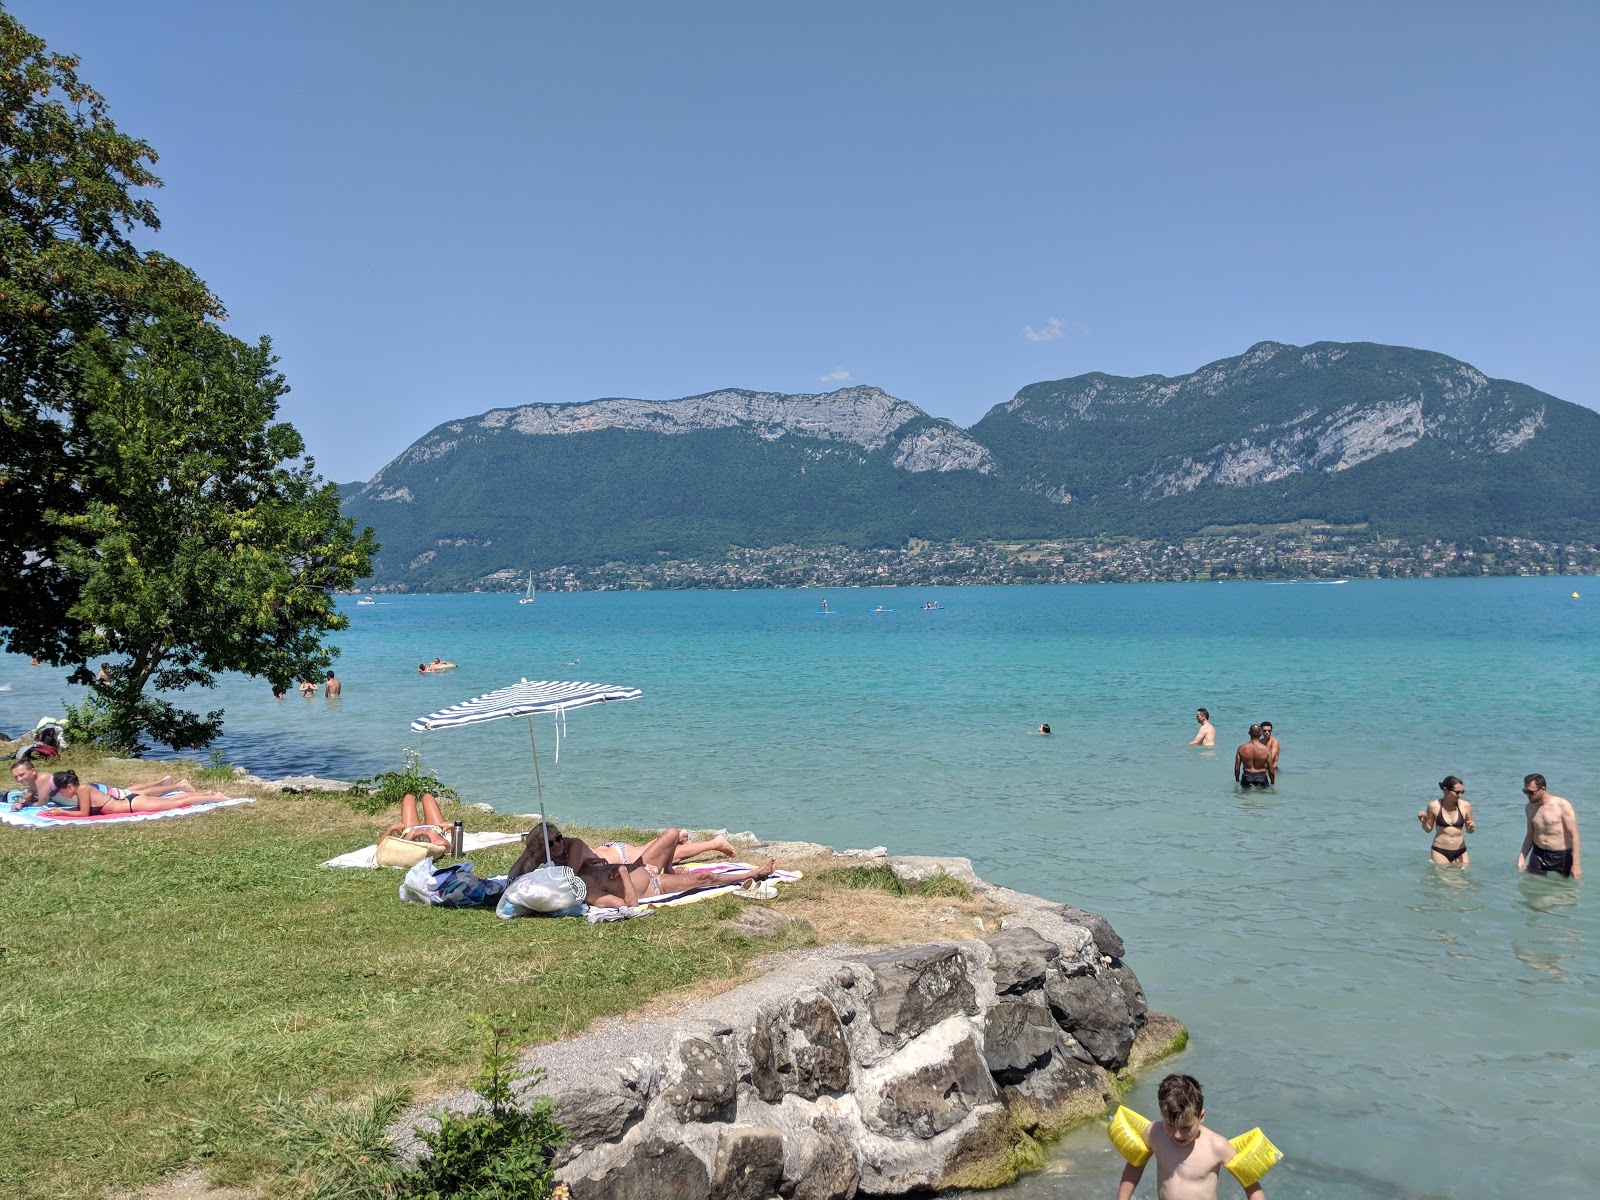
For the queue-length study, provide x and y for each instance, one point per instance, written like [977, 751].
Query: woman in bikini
[430, 827]
[625, 853]
[99, 799]
[1449, 819]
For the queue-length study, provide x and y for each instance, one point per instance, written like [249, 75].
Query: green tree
[205, 542]
[68, 272]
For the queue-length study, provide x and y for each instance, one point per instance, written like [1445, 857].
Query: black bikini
[1441, 823]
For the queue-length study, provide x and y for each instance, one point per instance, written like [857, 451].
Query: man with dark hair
[1252, 762]
[1551, 843]
[1207, 736]
[1272, 746]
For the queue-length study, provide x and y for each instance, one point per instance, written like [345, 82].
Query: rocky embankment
[859, 1071]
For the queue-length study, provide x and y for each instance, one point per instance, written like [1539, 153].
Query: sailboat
[529, 598]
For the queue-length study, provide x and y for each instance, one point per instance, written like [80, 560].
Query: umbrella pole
[544, 825]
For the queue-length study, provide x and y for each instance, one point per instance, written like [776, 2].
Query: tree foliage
[68, 272]
[153, 507]
[205, 543]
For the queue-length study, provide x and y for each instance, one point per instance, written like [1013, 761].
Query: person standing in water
[1207, 736]
[1449, 819]
[333, 687]
[1271, 743]
[1551, 843]
[1252, 762]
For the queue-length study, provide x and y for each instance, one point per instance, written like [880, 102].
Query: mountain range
[1408, 443]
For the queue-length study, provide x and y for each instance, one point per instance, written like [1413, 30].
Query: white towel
[367, 856]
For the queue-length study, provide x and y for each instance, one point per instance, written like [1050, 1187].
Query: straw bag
[398, 852]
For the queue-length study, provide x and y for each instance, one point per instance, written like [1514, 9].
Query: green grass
[883, 879]
[168, 984]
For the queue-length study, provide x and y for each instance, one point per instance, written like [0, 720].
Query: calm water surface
[1399, 1030]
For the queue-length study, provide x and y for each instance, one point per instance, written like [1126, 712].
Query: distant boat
[529, 598]
[365, 600]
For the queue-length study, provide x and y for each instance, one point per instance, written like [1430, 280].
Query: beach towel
[49, 818]
[367, 856]
[712, 887]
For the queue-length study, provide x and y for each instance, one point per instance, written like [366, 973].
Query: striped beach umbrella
[527, 699]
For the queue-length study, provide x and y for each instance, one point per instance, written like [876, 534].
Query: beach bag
[396, 851]
[548, 891]
[454, 886]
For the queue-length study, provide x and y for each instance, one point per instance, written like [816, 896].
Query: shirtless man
[1252, 762]
[333, 687]
[38, 787]
[1272, 746]
[1551, 843]
[613, 886]
[1207, 736]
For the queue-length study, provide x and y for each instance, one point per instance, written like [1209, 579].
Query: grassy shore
[171, 985]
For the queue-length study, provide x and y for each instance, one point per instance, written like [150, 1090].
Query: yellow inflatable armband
[1126, 1132]
[1254, 1158]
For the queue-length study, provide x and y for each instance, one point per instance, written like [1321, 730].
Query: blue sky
[437, 209]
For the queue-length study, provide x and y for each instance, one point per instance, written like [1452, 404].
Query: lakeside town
[1318, 553]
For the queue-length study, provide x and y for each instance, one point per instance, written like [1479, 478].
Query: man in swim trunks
[1208, 733]
[1551, 843]
[1252, 762]
[1271, 743]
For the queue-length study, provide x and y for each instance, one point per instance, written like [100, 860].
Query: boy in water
[1188, 1155]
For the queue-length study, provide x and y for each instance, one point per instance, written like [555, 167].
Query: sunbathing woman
[431, 828]
[623, 852]
[94, 799]
[1449, 819]
[613, 886]
[38, 787]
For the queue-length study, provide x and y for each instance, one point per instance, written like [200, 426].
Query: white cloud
[837, 375]
[1049, 333]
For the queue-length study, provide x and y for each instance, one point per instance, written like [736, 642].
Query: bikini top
[1441, 823]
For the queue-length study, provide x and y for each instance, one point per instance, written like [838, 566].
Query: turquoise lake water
[1399, 1030]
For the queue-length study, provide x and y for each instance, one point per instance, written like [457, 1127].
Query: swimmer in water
[1449, 819]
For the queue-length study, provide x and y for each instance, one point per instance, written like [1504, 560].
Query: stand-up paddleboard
[875, 611]
[824, 612]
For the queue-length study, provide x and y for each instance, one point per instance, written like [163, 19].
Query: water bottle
[457, 839]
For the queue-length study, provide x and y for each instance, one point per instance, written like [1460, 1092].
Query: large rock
[703, 1079]
[598, 1108]
[749, 1164]
[932, 1097]
[1019, 1037]
[917, 987]
[1021, 958]
[1105, 937]
[656, 1170]
[1132, 991]
[1094, 1010]
[800, 1050]
[825, 1166]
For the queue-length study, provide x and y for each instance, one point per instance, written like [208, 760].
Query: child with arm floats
[1189, 1157]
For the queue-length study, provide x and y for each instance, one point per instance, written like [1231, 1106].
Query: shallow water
[1399, 1030]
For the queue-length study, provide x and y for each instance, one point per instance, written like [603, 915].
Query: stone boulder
[916, 987]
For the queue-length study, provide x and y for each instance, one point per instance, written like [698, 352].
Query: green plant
[385, 790]
[883, 879]
[497, 1152]
[338, 1151]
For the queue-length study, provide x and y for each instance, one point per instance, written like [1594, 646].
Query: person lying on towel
[622, 886]
[92, 801]
[39, 787]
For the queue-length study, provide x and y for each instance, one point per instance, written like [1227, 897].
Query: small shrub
[497, 1152]
[384, 791]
